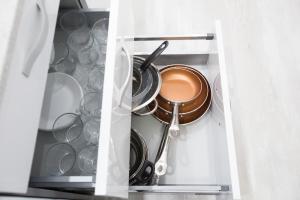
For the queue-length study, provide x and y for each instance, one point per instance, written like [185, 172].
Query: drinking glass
[91, 104]
[81, 74]
[67, 127]
[96, 77]
[87, 159]
[60, 62]
[73, 20]
[101, 50]
[81, 44]
[60, 159]
[100, 31]
[91, 131]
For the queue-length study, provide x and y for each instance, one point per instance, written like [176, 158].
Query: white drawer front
[23, 90]
[113, 153]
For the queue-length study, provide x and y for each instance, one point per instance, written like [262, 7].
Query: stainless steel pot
[146, 87]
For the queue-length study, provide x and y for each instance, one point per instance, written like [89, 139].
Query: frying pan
[179, 86]
[190, 105]
[165, 116]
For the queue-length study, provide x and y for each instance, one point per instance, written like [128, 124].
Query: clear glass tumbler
[96, 77]
[73, 20]
[82, 48]
[61, 158]
[100, 30]
[67, 127]
[90, 105]
[91, 131]
[87, 159]
[60, 62]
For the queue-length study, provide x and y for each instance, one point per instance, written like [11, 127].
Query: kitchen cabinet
[202, 160]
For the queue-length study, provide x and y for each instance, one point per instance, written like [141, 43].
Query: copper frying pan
[165, 116]
[191, 105]
[179, 86]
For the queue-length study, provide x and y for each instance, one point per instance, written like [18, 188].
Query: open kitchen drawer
[201, 161]
[22, 145]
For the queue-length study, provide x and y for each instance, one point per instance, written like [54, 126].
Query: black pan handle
[143, 176]
[154, 55]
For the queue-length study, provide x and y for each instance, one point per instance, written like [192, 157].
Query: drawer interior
[198, 158]
[73, 179]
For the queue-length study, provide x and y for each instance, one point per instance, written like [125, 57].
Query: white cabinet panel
[227, 115]
[113, 153]
[23, 90]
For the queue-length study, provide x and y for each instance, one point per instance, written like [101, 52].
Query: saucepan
[141, 170]
[146, 81]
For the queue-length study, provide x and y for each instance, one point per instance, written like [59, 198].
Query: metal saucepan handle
[174, 126]
[149, 112]
[40, 41]
[144, 176]
[161, 164]
[154, 55]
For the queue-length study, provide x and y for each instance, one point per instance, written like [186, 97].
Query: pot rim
[156, 91]
[208, 106]
[198, 73]
[181, 67]
[145, 154]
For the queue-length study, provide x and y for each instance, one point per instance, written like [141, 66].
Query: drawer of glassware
[72, 100]
[79, 79]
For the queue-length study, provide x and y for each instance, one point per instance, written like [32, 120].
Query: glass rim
[88, 93]
[73, 152]
[80, 152]
[62, 58]
[68, 126]
[91, 37]
[98, 21]
[63, 27]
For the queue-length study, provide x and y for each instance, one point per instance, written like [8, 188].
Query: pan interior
[179, 85]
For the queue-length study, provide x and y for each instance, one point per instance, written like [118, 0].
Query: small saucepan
[146, 81]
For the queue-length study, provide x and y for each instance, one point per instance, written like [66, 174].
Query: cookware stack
[176, 95]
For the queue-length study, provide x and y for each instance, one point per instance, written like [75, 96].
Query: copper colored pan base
[188, 112]
[165, 116]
